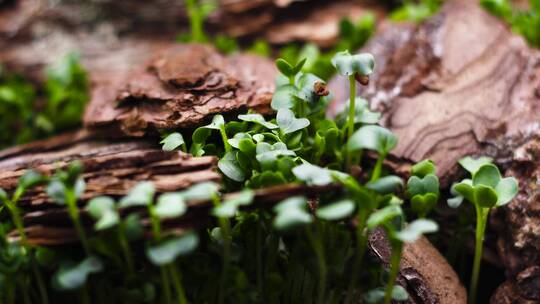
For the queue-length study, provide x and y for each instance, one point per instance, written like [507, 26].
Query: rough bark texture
[462, 84]
[179, 86]
[111, 168]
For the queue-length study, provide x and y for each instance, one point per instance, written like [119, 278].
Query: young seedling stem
[177, 282]
[226, 144]
[352, 112]
[226, 235]
[126, 250]
[361, 243]
[156, 232]
[71, 201]
[195, 21]
[395, 258]
[316, 243]
[378, 168]
[481, 221]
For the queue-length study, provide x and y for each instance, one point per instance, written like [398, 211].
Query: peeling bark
[181, 86]
[111, 168]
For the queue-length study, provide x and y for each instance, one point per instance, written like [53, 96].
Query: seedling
[106, 213]
[374, 138]
[291, 213]
[28, 180]
[65, 188]
[423, 188]
[358, 66]
[162, 252]
[173, 141]
[390, 218]
[486, 190]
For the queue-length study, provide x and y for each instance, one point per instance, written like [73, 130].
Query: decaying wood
[518, 227]
[319, 23]
[181, 86]
[54, 227]
[462, 84]
[424, 272]
[111, 168]
[459, 84]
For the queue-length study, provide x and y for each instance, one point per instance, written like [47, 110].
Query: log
[463, 84]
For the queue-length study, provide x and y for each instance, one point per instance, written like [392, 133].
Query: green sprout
[390, 218]
[28, 180]
[374, 138]
[355, 67]
[423, 188]
[485, 190]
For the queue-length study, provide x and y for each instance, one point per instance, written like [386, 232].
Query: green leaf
[313, 175]
[347, 64]
[284, 97]
[416, 229]
[200, 192]
[306, 84]
[284, 67]
[170, 205]
[258, 138]
[217, 122]
[3, 196]
[421, 204]
[268, 154]
[399, 293]
[102, 209]
[291, 213]
[362, 113]
[336, 211]
[466, 190]
[385, 185]
[140, 195]
[172, 141]
[56, 190]
[298, 67]
[423, 168]
[235, 141]
[485, 196]
[428, 184]
[228, 208]
[288, 123]
[230, 167]
[384, 216]
[374, 138]
[169, 250]
[472, 165]
[258, 119]
[133, 227]
[487, 175]
[72, 276]
[506, 190]
[31, 178]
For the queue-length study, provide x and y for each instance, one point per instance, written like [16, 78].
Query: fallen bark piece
[54, 226]
[182, 86]
[111, 168]
[424, 272]
[453, 86]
